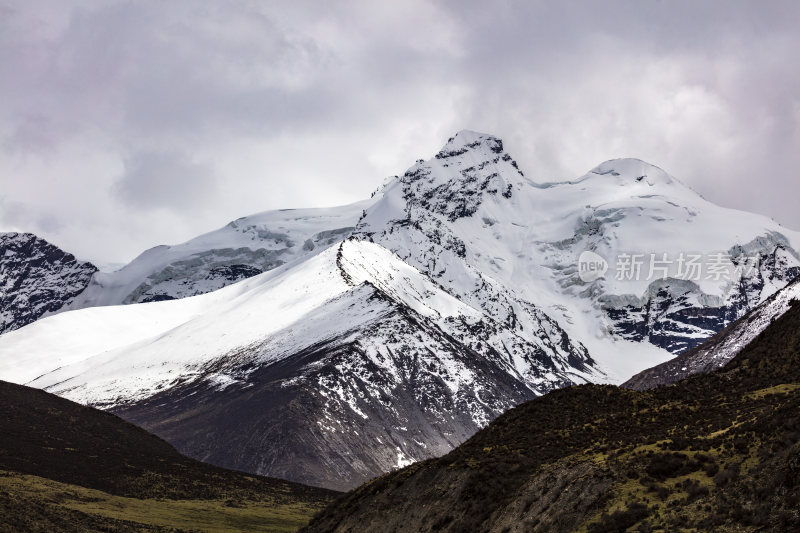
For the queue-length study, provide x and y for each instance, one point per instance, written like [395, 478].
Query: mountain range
[328, 346]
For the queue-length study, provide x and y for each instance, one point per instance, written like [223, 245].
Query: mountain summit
[627, 171]
[467, 140]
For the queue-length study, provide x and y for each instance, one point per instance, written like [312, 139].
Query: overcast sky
[129, 124]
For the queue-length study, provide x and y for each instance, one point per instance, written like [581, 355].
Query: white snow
[530, 246]
[402, 459]
[98, 354]
[284, 233]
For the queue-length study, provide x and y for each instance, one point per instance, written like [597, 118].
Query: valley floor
[36, 504]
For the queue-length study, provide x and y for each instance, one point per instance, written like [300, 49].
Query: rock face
[36, 278]
[722, 347]
[341, 411]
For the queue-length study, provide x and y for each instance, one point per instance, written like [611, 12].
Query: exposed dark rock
[36, 278]
[676, 315]
[722, 347]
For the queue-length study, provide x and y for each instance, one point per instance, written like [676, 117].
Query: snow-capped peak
[630, 170]
[468, 140]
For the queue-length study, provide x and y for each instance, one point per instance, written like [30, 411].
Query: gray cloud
[154, 180]
[127, 124]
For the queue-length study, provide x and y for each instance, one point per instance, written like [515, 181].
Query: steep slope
[116, 355]
[66, 467]
[716, 452]
[245, 247]
[36, 278]
[720, 348]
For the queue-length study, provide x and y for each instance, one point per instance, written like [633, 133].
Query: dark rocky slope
[714, 452]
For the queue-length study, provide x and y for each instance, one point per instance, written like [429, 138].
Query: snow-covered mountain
[722, 347]
[470, 220]
[36, 278]
[244, 248]
[40, 279]
[347, 348]
[390, 330]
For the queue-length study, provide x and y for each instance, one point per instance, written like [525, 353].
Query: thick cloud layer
[128, 124]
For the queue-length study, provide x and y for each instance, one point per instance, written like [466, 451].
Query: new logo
[591, 266]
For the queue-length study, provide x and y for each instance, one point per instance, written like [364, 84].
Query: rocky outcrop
[36, 278]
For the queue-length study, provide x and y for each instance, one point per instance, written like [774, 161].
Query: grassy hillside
[715, 452]
[66, 467]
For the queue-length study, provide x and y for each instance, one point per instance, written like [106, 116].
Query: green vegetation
[57, 505]
[719, 452]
